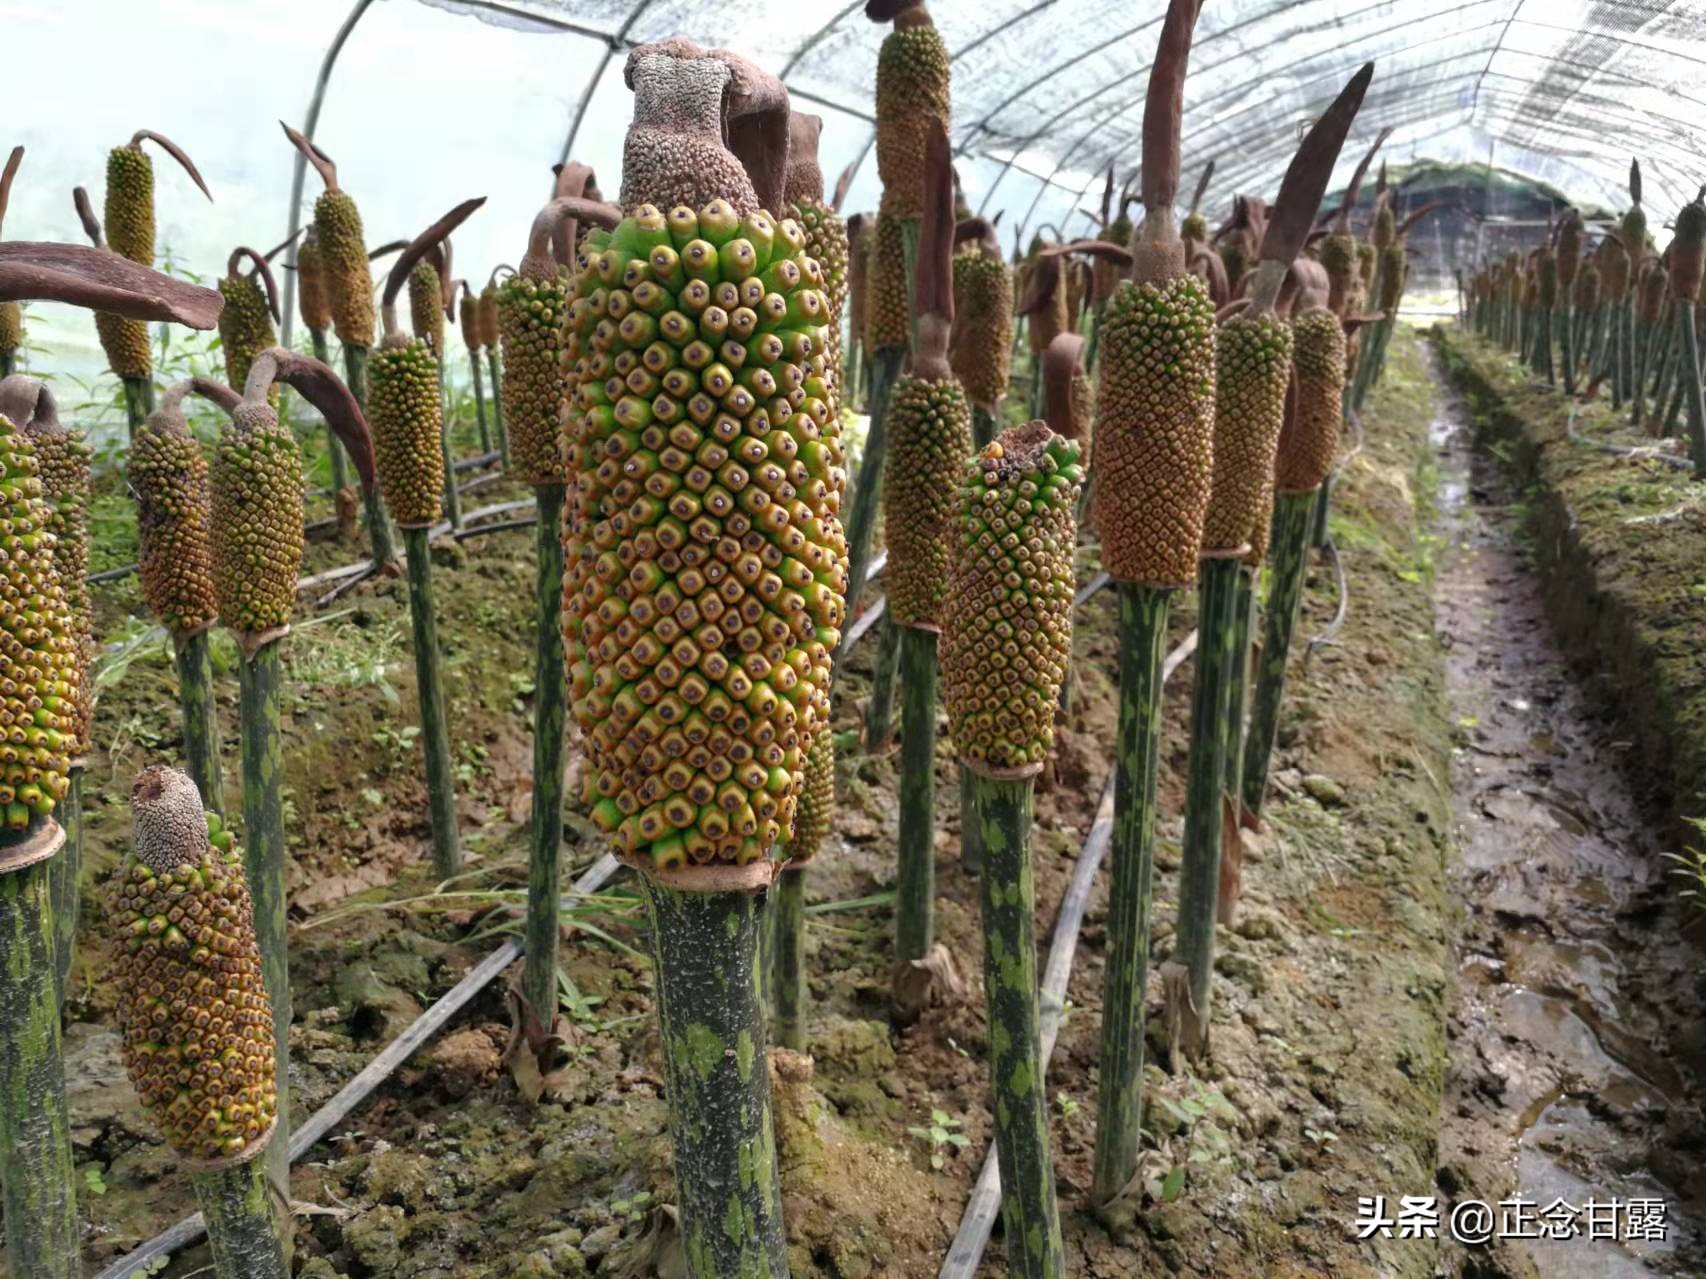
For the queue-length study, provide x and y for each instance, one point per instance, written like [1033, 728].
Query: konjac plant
[314, 303]
[704, 588]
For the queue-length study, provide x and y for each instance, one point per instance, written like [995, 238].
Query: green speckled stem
[42, 1235]
[1131, 859]
[1626, 344]
[435, 731]
[915, 888]
[8, 363]
[138, 400]
[67, 882]
[718, 1079]
[1237, 708]
[452, 497]
[494, 363]
[1567, 335]
[260, 678]
[194, 656]
[539, 974]
[788, 957]
[971, 831]
[1691, 390]
[867, 488]
[1030, 1211]
[379, 533]
[983, 427]
[242, 1224]
[1199, 872]
[1288, 556]
[334, 446]
[480, 402]
[1543, 364]
[879, 712]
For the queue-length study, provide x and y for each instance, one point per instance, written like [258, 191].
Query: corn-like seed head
[888, 316]
[245, 328]
[1585, 296]
[1194, 227]
[1613, 270]
[981, 345]
[62, 459]
[1687, 252]
[256, 522]
[192, 1003]
[126, 345]
[489, 328]
[826, 244]
[679, 144]
[313, 296]
[912, 90]
[129, 208]
[705, 564]
[426, 306]
[814, 812]
[1384, 232]
[1083, 410]
[1394, 269]
[1311, 439]
[468, 317]
[403, 413]
[1252, 368]
[1368, 257]
[337, 226]
[1236, 257]
[11, 327]
[860, 251]
[1155, 429]
[929, 428]
[1007, 629]
[1632, 230]
[530, 313]
[1339, 258]
[40, 650]
[1654, 287]
[168, 474]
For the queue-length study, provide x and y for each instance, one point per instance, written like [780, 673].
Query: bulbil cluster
[404, 415]
[1253, 366]
[426, 305]
[1311, 439]
[929, 442]
[888, 313]
[62, 459]
[257, 534]
[705, 564]
[912, 90]
[981, 346]
[169, 476]
[1007, 634]
[245, 323]
[197, 1025]
[343, 251]
[814, 813]
[530, 317]
[313, 295]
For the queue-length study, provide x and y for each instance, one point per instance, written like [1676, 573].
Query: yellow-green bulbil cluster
[312, 293]
[888, 312]
[1083, 408]
[912, 89]
[1252, 368]
[403, 414]
[245, 327]
[489, 328]
[168, 474]
[705, 564]
[929, 442]
[815, 810]
[1339, 259]
[1007, 634]
[468, 316]
[826, 244]
[343, 251]
[426, 306]
[39, 645]
[198, 1035]
[1154, 430]
[530, 315]
[62, 458]
[1311, 440]
[981, 346]
[1194, 227]
[1394, 268]
[11, 327]
[126, 345]
[257, 521]
[860, 250]
[129, 216]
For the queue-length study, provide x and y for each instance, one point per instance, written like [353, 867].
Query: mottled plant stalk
[42, 1236]
[138, 400]
[1567, 336]
[1237, 708]
[915, 888]
[242, 1222]
[1543, 352]
[435, 731]
[715, 1065]
[260, 680]
[334, 446]
[1029, 1207]
[193, 654]
[378, 519]
[67, 880]
[550, 700]
[1288, 558]
[1131, 861]
[480, 401]
[879, 713]
[1691, 388]
[1190, 971]
[867, 488]
[788, 957]
[495, 366]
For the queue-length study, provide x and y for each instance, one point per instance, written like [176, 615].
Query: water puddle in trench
[1561, 1080]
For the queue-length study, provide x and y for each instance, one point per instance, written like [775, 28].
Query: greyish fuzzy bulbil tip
[168, 821]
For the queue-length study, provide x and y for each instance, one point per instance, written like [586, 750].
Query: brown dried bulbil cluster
[257, 535]
[705, 563]
[814, 812]
[169, 476]
[62, 458]
[675, 147]
[313, 296]
[1007, 630]
[1311, 439]
[1252, 368]
[530, 315]
[1339, 257]
[39, 647]
[888, 314]
[1083, 409]
[468, 316]
[426, 306]
[929, 426]
[981, 346]
[192, 1004]
[1155, 430]
[343, 251]
[403, 414]
[912, 90]
[1688, 252]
